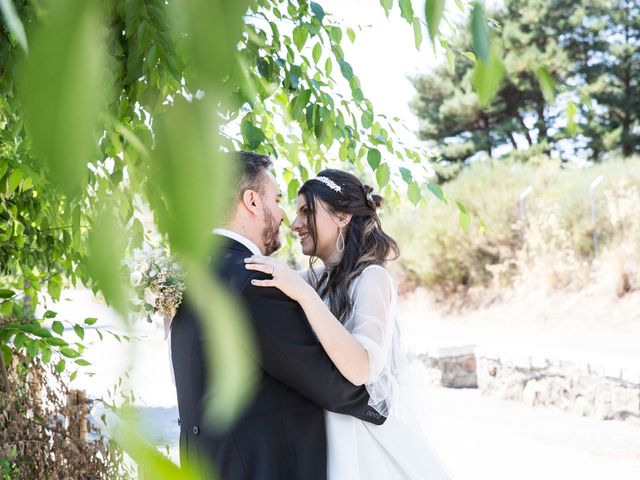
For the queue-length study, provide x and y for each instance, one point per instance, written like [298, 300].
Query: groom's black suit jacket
[281, 435]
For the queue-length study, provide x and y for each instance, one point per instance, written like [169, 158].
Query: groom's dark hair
[251, 168]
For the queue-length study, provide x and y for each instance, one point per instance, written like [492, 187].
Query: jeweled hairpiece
[370, 198]
[330, 183]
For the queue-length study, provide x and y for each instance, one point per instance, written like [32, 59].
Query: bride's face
[327, 229]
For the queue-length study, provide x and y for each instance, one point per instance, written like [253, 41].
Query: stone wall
[584, 383]
[606, 388]
[452, 367]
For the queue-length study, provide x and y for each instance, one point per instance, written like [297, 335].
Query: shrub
[556, 243]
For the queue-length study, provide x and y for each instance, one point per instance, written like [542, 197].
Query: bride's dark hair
[365, 243]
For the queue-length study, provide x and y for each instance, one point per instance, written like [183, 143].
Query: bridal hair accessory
[370, 198]
[330, 183]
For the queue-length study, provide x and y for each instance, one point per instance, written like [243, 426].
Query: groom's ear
[251, 200]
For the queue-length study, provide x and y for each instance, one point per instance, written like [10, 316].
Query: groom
[281, 435]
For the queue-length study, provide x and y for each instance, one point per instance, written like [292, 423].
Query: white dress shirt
[239, 238]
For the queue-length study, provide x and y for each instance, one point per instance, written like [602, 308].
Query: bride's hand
[284, 278]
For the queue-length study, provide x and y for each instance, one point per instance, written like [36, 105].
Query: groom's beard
[270, 234]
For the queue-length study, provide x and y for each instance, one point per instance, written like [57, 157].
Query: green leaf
[374, 157]
[406, 10]
[69, 352]
[414, 193]
[417, 32]
[50, 314]
[383, 175]
[336, 34]
[328, 67]
[192, 178]
[6, 293]
[433, 11]
[155, 464]
[253, 136]
[300, 35]
[90, 320]
[346, 70]
[436, 190]
[13, 23]
[14, 180]
[479, 32]
[57, 327]
[406, 174]
[465, 221]
[54, 287]
[487, 77]
[292, 189]
[317, 52]
[73, 376]
[387, 5]
[79, 331]
[351, 34]
[317, 11]
[571, 120]
[462, 207]
[546, 84]
[82, 362]
[32, 348]
[46, 354]
[19, 339]
[56, 342]
[62, 99]
[233, 343]
[60, 365]
[106, 249]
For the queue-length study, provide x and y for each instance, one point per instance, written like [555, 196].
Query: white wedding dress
[398, 449]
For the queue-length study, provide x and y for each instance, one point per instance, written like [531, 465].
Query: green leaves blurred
[571, 118]
[189, 177]
[62, 89]
[13, 23]
[479, 32]
[232, 355]
[489, 69]
[546, 84]
[487, 76]
[209, 32]
[406, 10]
[433, 10]
[107, 246]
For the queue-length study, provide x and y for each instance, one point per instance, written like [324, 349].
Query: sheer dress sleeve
[373, 325]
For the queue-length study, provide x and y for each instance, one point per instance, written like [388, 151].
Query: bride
[350, 303]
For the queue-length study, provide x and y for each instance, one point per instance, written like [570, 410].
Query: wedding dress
[399, 449]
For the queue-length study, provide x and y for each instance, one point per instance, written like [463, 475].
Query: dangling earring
[340, 241]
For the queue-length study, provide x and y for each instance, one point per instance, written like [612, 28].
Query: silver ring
[273, 271]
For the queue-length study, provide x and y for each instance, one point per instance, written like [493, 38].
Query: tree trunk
[487, 132]
[512, 140]
[525, 129]
[541, 123]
